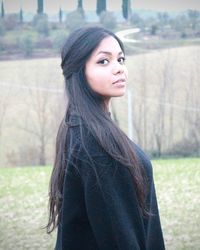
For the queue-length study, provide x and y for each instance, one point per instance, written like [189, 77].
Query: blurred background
[160, 112]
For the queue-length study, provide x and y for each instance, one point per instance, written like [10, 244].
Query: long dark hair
[89, 106]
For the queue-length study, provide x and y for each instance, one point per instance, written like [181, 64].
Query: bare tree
[141, 108]
[171, 98]
[38, 121]
[160, 118]
[194, 117]
[5, 104]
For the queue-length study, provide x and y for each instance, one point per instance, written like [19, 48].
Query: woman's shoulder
[84, 149]
[80, 134]
[141, 153]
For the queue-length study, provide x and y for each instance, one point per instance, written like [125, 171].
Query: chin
[121, 93]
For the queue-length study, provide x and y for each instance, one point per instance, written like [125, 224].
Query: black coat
[100, 209]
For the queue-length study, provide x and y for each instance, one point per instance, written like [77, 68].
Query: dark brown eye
[121, 60]
[103, 61]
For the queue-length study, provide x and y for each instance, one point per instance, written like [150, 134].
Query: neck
[107, 102]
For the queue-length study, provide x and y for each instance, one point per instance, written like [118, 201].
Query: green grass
[178, 183]
[23, 210]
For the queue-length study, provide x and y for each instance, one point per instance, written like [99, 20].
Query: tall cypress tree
[21, 15]
[60, 15]
[80, 4]
[80, 7]
[126, 8]
[2, 10]
[40, 9]
[101, 6]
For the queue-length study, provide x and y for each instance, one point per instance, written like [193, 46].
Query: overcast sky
[52, 6]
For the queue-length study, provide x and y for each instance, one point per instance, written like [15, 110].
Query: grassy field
[23, 210]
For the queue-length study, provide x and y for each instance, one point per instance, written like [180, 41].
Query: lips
[122, 80]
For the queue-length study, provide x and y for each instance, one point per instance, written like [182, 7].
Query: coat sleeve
[110, 201]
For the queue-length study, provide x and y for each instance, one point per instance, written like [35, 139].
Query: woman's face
[105, 70]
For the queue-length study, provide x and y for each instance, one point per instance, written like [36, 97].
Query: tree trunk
[40, 9]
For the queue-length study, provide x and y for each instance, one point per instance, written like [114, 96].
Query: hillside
[165, 103]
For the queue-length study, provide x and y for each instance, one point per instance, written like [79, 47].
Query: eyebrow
[109, 53]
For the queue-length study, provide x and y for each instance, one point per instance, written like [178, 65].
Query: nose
[117, 68]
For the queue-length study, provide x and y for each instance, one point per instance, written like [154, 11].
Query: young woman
[102, 192]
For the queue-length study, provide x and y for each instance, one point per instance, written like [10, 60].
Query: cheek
[88, 74]
[94, 76]
[94, 82]
[91, 77]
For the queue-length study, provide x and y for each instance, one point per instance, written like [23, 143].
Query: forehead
[108, 44]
